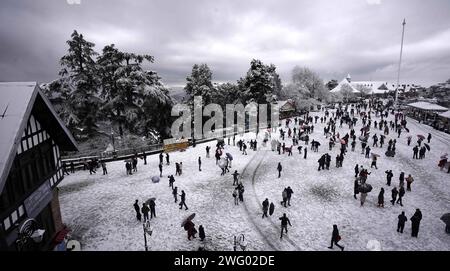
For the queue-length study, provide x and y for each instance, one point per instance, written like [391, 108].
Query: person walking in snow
[284, 197]
[105, 171]
[409, 181]
[207, 151]
[235, 177]
[363, 198]
[401, 193]
[381, 198]
[415, 223]
[356, 170]
[161, 157]
[429, 138]
[394, 193]
[241, 192]
[374, 162]
[167, 159]
[171, 181]
[389, 176]
[199, 164]
[235, 196]
[265, 207]
[401, 222]
[305, 153]
[138, 211]
[175, 193]
[152, 209]
[177, 169]
[279, 168]
[335, 238]
[145, 211]
[356, 188]
[367, 151]
[201, 230]
[183, 200]
[284, 222]
[160, 166]
[289, 193]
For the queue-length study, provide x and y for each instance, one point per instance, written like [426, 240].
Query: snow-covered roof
[427, 106]
[17, 100]
[446, 114]
[374, 87]
[342, 83]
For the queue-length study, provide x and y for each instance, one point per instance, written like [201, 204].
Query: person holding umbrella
[335, 238]
[415, 223]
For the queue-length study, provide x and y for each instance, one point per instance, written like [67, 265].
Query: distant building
[377, 88]
[31, 140]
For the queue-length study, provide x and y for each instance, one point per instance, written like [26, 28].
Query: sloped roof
[17, 101]
[427, 106]
[446, 114]
[375, 87]
[344, 82]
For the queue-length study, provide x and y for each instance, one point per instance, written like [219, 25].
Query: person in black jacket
[401, 222]
[415, 223]
[138, 211]
[356, 188]
[401, 193]
[289, 193]
[279, 168]
[389, 176]
[381, 198]
[356, 170]
[284, 222]
[183, 200]
[394, 194]
[145, 211]
[152, 208]
[335, 238]
[199, 164]
[265, 205]
[201, 233]
[175, 193]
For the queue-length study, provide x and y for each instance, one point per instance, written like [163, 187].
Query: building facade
[31, 165]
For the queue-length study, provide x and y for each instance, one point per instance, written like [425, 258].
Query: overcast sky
[360, 37]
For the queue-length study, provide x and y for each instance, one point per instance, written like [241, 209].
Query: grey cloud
[332, 37]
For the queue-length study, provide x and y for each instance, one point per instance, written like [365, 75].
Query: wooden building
[31, 139]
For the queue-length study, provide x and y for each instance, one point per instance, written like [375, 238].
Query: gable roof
[17, 102]
[342, 83]
[446, 114]
[374, 87]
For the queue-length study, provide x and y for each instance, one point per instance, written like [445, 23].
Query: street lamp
[147, 230]
[29, 230]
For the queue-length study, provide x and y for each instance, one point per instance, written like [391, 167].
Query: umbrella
[363, 138]
[317, 143]
[427, 146]
[446, 218]
[376, 155]
[150, 199]
[188, 218]
[365, 188]
[229, 156]
[155, 179]
[390, 153]
[421, 136]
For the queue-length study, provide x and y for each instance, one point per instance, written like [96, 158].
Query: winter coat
[285, 221]
[402, 219]
[381, 197]
[201, 232]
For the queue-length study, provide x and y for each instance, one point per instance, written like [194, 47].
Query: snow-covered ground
[100, 210]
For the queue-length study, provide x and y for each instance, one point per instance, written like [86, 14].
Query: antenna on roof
[4, 112]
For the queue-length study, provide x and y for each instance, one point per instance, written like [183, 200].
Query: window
[7, 223]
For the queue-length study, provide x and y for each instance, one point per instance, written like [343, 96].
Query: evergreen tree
[259, 84]
[199, 83]
[79, 84]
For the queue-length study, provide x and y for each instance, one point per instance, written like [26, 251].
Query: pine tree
[199, 83]
[80, 84]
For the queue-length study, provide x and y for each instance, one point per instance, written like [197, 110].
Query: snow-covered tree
[79, 85]
[259, 84]
[363, 89]
[309, 83]
[227, 93]
[199, 83]
[332, 84]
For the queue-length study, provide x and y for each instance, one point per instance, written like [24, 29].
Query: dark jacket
[285, 221]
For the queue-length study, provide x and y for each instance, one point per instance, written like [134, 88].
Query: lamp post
[399, 64]
[147, 230]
